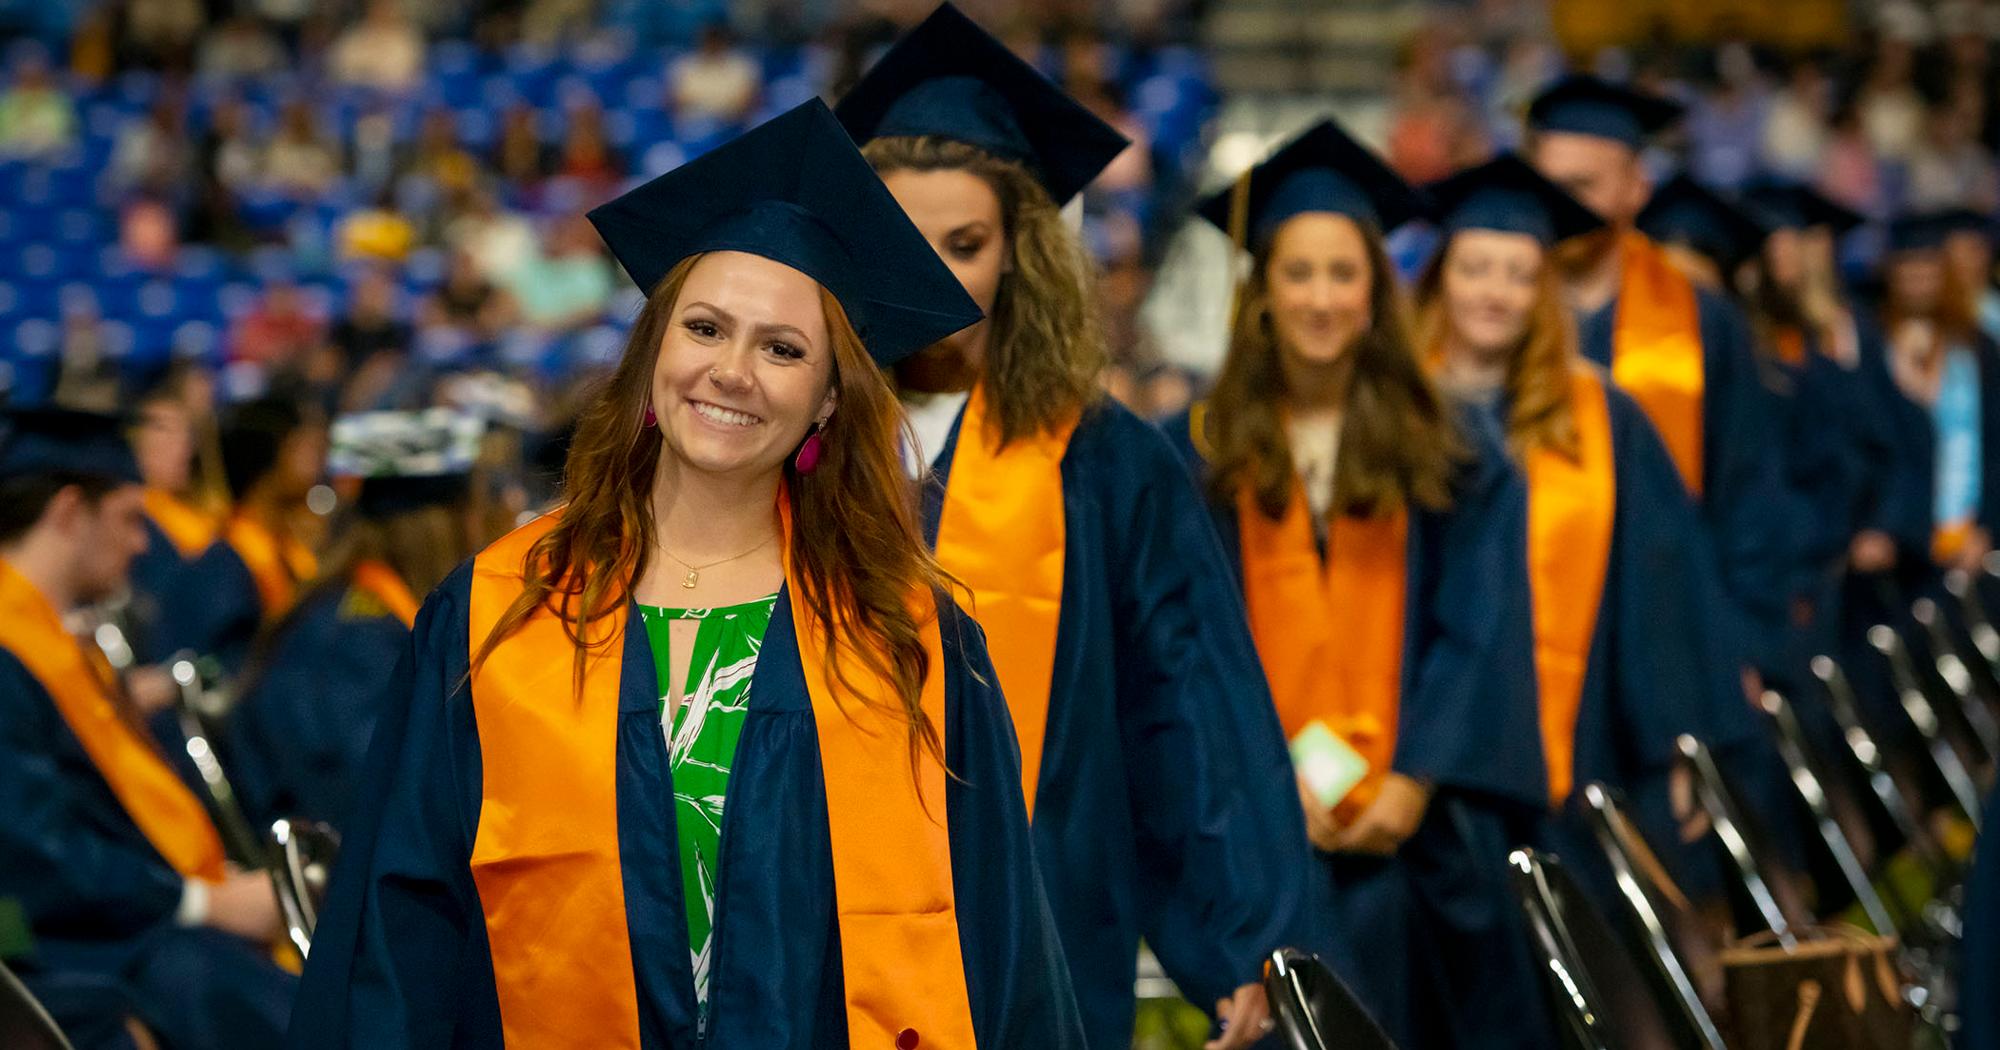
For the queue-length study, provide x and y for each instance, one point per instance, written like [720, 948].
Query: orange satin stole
[188, 529]
[1788, 345]
[1571, 507]
[381, 583]
[1002, 534]
[1330, 634]
[278, 564]
[167, 813]
[1656, 353]
[545, 855]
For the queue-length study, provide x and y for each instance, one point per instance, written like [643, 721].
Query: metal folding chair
[1753, 875]
[1962, 686]
[1796, 753]
[1314, 1010]
[303, 861]
[1916, 704]
[24, 1024]
[1597, 991]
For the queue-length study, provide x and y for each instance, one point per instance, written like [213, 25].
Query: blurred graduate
[668, 766]
[116, 863]
[1371, 527]
[1681, 351]
[1154, 769]
[297, 739]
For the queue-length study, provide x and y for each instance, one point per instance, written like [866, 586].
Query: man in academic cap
[118, 866]
[1681, 351]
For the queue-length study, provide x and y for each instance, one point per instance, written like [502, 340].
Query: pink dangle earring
[649, 419]
[807, 460]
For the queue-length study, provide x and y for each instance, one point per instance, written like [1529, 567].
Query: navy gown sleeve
[214, 609]
[400, 958]
[1222, 854]
[1981, 965]
[1741, 483]
[79, 866]
[1017, 981]
[1470, 712]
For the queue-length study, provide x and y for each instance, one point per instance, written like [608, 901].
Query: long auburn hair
[1047, 347]
[1957, 314]
[1398, 443]
[857, 552]
[1540, 413]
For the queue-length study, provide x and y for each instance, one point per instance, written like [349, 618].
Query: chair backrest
[1963, 587]
[1754, 876]
[304, 859]
[24, 1025]
[223, 806]
[1314, 1010]
[1869, 766]
[1793, 749]
[1649, 896]
[1599, 993]
[1964, 711]
[1916, 703]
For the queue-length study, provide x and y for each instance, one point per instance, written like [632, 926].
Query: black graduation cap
[951, 79]
[1508, 195]
[1323, 169]
[1926, 230]
[795, 190]
[1586, 105]
[253, 436]
[1782, 204]
[62, 441]
[406, 460]
[1685, 212]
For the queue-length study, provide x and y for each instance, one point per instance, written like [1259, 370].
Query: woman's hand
[1871, 551]
[1389, 821]
[1245, 1017]
[1321, 829]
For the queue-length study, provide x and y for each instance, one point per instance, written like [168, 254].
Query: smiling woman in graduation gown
[1370, 531]
[1161, 798]
[1621, 581]
[296, 741]
[521, 872]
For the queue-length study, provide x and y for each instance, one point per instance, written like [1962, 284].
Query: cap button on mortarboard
[906, 1039]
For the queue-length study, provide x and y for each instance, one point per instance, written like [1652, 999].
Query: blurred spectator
[161, 34]
[385, 51]
[1949, 168]
[468, 302]
[496, 240]
[87, 377]
[300, 161]
[1431, 133]
[36, 118]
[240, 48]
[1890, 109]
[1725, 128]
[231, 154]
[716, 82]
[379, 233]
[437, 155]
[374, 156]
[154, 155]
[148, 234]
[277, 333]
[521, 159]
[373, 324]
[569, 286]
[93, 51]
[587, 156]
[1796, 124]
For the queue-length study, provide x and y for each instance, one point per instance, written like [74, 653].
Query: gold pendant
[692, 578]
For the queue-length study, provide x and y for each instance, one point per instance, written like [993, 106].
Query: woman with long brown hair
[1154, 771]
[1367, 525]
[708, 756]
[1622, 591]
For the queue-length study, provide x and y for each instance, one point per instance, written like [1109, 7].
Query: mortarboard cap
[1322, 170]
[795, 190]
[950, 79]
[406, 460]
[1582, 104]
[61, 441]
[1785, 205]
[1927, 230]
[1506, 194]
[1685, 212]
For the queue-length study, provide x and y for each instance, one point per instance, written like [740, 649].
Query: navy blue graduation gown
[1979, 969]
[101, 901]
[215, 610]
[1166, 805]
[1436, 951]
[296, 741]
[159, 578]
[1742, 507]
[400, 957]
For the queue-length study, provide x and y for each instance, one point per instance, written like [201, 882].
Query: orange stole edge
[902, 962]
[168, 814]
[1003, 534]
[1571, 510]
[277, 565]
[381, 583]
[1330, 635]
[545, 855]
[189, 530]
[1656, 353]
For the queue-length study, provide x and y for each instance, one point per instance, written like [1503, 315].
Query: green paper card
[1330, 766]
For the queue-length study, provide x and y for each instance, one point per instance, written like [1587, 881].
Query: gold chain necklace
[694, 571]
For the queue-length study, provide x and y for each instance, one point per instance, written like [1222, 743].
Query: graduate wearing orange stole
[1368, 522]
[518, 875]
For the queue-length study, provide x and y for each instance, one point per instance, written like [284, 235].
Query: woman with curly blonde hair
[1153, 767]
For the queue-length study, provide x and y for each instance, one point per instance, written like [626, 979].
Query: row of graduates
[1494, 555]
